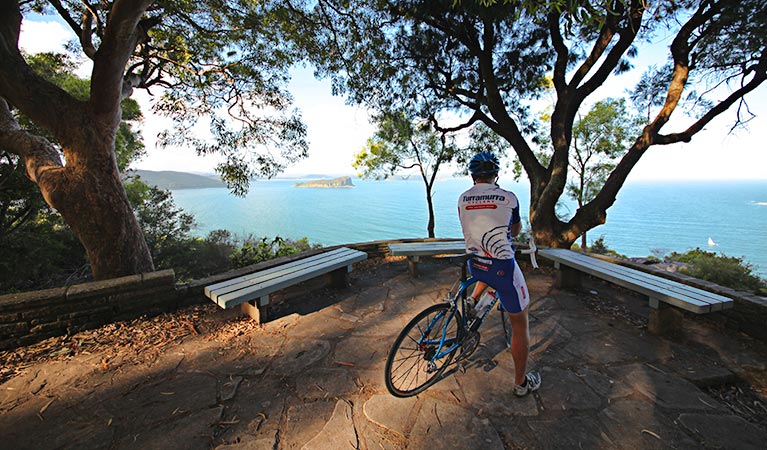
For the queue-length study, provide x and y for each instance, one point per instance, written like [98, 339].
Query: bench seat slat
[678, 294]
[662, 283]
[669, 286]
[277, 271]
[427, 248]
[661, 286]
[259, 284]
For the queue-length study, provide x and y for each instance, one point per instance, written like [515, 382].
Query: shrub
[257, 250]
[600, 248]
[720, 269]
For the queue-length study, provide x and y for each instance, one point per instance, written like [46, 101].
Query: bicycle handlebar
[531, 250]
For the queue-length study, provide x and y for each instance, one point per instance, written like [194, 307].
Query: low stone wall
[748, 314]
[30, 317]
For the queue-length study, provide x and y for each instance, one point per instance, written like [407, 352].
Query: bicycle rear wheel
[411, 366]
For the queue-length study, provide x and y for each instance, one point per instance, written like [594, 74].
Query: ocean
[647, 217]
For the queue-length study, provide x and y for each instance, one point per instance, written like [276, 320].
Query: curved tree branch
[40, 157]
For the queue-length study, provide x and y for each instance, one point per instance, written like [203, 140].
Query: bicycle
[428, 343]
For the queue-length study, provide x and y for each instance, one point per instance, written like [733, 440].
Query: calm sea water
[647, 216]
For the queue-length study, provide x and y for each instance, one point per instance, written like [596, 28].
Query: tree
[401, 143]
[217, 61]
[488, 61]
[599, 139]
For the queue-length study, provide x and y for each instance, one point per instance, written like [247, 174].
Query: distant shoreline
[333, 183]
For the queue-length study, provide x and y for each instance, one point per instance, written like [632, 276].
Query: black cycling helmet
[484, 164]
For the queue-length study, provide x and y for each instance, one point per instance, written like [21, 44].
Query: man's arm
[515, 228]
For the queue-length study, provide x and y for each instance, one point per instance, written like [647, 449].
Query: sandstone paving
[665, 389]
[313, 379]
[565, 390]
[634, 424]
[726, 431]
[445, 426]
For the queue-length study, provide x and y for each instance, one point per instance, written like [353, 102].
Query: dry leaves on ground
[134, 341]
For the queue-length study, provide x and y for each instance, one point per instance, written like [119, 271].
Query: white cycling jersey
[486, 212]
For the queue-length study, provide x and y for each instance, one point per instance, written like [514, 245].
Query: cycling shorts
[506, 278]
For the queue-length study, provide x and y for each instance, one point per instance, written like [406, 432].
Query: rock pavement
[313, 379]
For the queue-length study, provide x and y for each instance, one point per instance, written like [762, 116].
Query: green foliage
[167, 230]
[723, 270]
[42, 253]
[599, 138]
[60, 69]
[20, 200]
[255, 250]
[38, 249]
[224, 66]
[600, 247]
[59, 258]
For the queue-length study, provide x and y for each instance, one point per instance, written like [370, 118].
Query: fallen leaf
[345, 363]
[42, 410]
[651, 434]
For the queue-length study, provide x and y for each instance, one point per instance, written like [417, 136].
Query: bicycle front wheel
[414, 362]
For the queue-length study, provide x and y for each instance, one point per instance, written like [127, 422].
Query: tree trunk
[95, 206]
[87, 191]
[430, 204]
[90, 196]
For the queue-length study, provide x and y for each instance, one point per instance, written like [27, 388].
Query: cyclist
[490, 218]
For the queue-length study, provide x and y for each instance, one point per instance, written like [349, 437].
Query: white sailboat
[711, 242]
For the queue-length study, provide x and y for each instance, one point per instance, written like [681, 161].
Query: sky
[337, 131]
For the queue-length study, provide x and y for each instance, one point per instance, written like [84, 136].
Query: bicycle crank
[469, 345]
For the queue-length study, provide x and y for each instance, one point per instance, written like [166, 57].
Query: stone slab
[443, 426]
[491, 392]
[304, 422]
[561, 389]
[576, 432]
[639, 425]
[362, 353]
[727, 431]
[324, 384]
[598, 349]
[390, 412]
[386, 327]
[603, 385]
[664, 389]
[338, 432]
[298, 354]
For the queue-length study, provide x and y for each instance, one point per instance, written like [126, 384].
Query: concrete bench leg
[340, 277]
[412, 265]
[664, 319]
[567, 278]
[256, 309]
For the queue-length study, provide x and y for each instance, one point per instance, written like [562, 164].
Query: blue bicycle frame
[454, 343]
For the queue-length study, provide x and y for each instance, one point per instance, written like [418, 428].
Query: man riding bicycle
[490, 219]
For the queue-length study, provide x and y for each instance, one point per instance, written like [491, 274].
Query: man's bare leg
[520, 344]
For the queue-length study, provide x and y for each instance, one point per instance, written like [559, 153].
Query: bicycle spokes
[423, 350]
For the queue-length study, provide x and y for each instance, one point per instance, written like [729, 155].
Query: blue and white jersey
[486, 212]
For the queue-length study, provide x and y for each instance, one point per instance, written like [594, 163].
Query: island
[340, 182]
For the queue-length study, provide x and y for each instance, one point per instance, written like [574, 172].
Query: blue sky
[337, 131]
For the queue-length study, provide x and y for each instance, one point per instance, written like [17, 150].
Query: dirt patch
[137, 341]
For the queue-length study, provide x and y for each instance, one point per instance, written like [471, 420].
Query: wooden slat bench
[664, 294]
[252, 291]
[414, 251]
